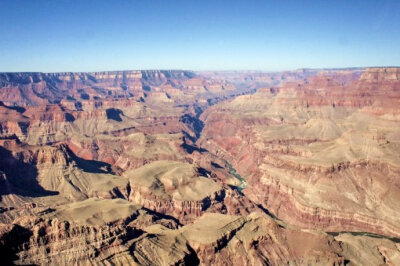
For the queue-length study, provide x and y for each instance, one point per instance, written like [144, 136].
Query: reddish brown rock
[184, 168]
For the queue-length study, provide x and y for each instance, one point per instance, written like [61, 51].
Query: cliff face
[212, 239]
[40, 88]
[319, 153]
[27, 89]
[175, 167]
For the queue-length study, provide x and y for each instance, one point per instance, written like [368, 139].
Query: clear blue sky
[93, 35]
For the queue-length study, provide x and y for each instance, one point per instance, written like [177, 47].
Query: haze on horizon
[57, 36]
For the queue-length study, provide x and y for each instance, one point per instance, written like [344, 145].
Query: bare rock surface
[321, 153]
[200, 168]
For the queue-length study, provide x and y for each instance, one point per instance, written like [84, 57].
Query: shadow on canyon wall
[19, 177]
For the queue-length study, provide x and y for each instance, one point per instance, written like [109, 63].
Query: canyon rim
[199, 132]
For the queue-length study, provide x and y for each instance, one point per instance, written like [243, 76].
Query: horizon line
[199, 71]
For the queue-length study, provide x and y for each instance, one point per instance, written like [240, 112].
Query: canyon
[171, 167]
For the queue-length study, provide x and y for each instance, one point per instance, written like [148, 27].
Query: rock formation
[321, 154]
[211, 168]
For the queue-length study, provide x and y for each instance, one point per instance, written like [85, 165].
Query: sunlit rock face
[211, 168]
[320, 153]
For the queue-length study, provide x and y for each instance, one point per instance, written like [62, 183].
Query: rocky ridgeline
[337, 140]
[213, 239]
[176, 167]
